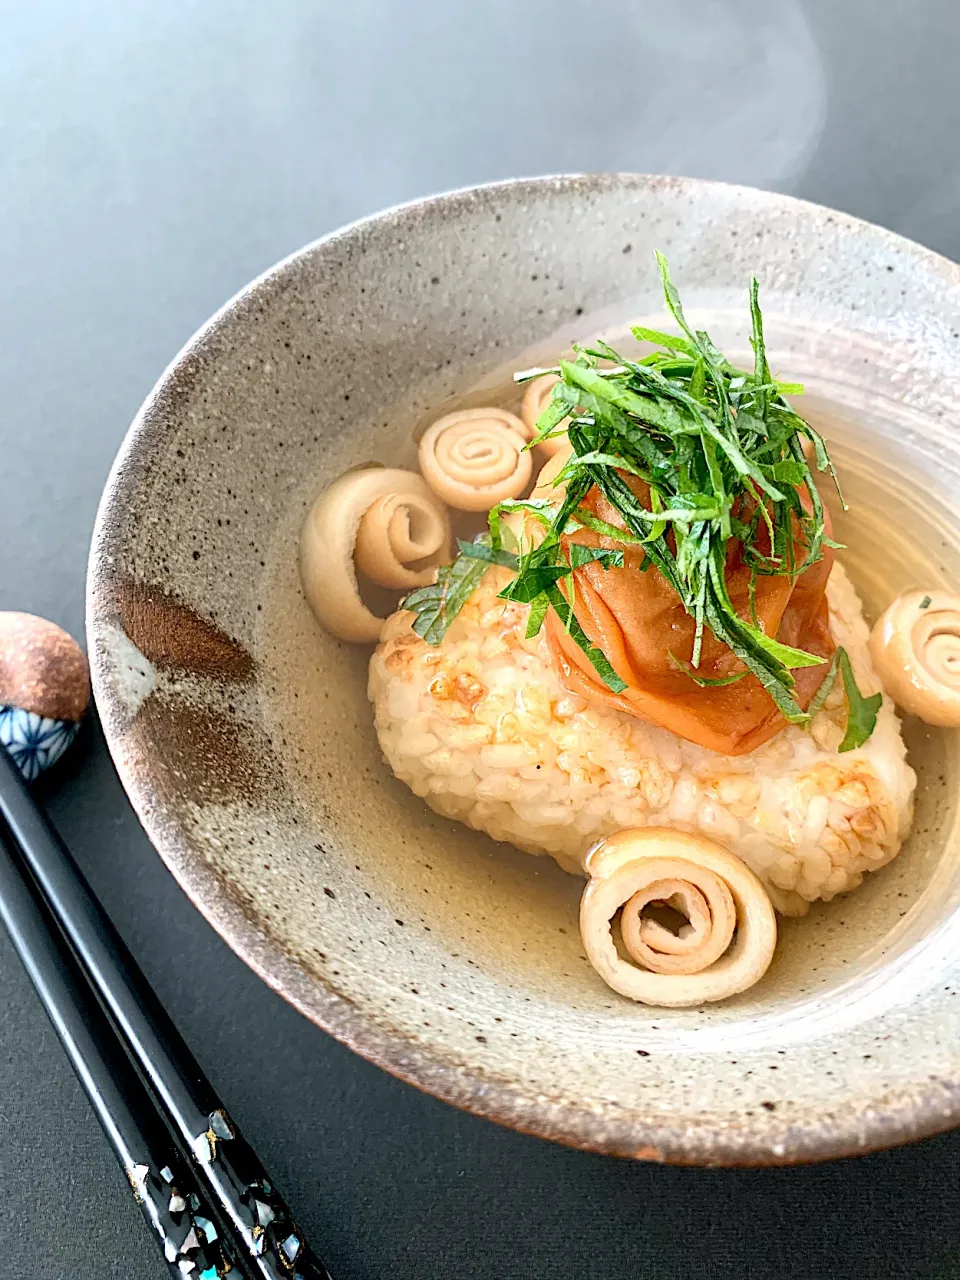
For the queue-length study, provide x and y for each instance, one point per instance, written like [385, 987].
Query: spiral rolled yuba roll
[915, 648]
[724, 947]
[475, 458]
[526, 527]
[399, 530]
[535, 400]
[382, 521]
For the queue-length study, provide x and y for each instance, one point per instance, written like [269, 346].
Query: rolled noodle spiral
[725, 946]
[535, 400]
[475, 458]
[398, 530]
[527, 528]
[384, 522]
[545, 486]
[915, 648]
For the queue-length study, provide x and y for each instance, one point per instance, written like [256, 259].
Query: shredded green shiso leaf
[712, 442]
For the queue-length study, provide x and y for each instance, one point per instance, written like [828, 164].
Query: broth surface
[512, 916]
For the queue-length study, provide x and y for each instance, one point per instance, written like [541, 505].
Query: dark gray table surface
[155, 156]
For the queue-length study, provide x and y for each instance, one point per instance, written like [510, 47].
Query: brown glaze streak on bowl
[244, 738]
[169, 634]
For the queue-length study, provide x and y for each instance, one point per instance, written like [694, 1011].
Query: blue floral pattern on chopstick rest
[35, 742]
[44, 690]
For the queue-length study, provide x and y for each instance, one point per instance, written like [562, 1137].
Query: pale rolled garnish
[527, 528]
[535, 400]
[915, 648]
[544, 487]
[475, 458]
[385, 522]
[399, 530]
[731, 931]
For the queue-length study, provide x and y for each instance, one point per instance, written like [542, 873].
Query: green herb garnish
[705, 682]
[829, 680]
[861, 711]
[436, 606]
[720, 450]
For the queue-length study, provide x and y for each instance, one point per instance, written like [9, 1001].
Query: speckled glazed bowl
[244, 736]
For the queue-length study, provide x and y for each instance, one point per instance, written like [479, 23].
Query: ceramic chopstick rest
[44, 690]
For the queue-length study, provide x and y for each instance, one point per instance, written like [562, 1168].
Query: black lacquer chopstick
[242, 1196]
[163, 1183]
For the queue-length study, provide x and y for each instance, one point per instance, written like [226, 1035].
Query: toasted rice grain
[481, 728]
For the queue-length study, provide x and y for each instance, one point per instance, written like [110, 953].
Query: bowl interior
[245, 736]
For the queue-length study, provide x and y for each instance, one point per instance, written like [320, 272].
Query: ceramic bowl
[244, 736]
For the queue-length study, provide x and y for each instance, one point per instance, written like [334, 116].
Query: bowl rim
[905, 1115]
